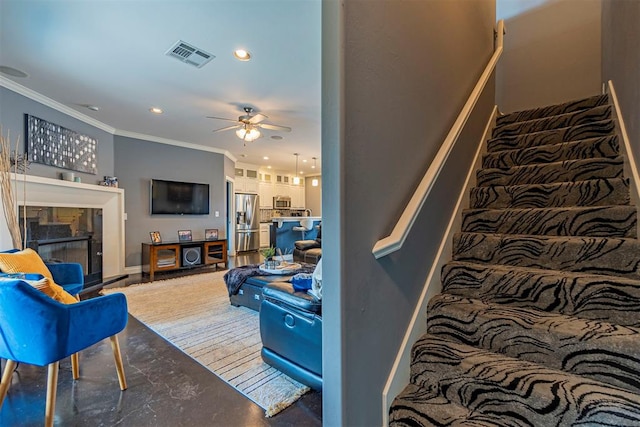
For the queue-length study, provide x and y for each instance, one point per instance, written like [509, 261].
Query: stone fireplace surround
[48, 192]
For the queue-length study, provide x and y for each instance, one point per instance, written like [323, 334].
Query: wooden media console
[182, 255]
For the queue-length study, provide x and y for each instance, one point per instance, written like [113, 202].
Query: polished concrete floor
[165, 387]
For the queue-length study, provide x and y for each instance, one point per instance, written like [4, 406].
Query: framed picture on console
[184, 235]
[210, 234]
[155, 237]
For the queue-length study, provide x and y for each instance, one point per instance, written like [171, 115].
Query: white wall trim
[630, 165]
[38, 97]
[31, 94]
[401, 230]
[41, 191]
[399, 374]
[231, 206]
[174, 142]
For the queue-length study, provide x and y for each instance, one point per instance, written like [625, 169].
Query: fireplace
[66, 234]
[105, 218]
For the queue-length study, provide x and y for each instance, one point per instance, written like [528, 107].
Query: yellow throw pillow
[57, 292]
[28, 261]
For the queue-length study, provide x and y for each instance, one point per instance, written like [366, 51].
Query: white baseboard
[399, 374]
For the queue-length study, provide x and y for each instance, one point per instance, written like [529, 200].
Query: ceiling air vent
[189, 54]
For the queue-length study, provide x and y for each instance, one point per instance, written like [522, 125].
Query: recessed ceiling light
[155, 110]
[304, 160]
[269, 167]
[10, 71]
[242, 55]
[276, 137]
[265, 158]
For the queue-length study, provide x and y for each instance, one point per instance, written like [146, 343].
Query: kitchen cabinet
[297, 195]
[244, 185]
[281, 190]
[266, 177]
[265, 235]
[246, 181]
[265, 190]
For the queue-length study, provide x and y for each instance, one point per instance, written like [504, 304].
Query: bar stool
[306, 224]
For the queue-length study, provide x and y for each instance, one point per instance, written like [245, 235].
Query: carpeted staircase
[538, 323]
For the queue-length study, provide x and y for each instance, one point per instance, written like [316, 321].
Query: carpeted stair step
[606, 146]
[594, 255]
[538, 321]
[578, 118]
[596, 350]
[604, 221]
[552, 110]
[589, 296]
[554, 136]
[546, 173]
[594, 192]
[416, 406]
[522, 392]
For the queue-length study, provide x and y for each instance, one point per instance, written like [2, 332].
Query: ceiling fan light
[248, 133]
[254, 134]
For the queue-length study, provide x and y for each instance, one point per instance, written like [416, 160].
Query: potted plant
[268, 254]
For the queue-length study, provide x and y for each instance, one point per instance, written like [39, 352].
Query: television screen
[179, 198]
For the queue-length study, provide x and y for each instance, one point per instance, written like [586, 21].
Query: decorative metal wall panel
[54, 145]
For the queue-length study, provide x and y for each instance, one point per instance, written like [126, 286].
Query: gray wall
[395, 76]
[621, 61]
[313, 195]
[13, 107]
[137, 162]
[552, 52]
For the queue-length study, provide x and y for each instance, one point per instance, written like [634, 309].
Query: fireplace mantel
[41, 191]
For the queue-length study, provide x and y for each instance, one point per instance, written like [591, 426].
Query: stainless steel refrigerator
[247, 222]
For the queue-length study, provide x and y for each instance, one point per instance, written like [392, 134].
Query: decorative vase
[270, 263]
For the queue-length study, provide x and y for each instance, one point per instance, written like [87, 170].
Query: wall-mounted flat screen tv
[179, 198]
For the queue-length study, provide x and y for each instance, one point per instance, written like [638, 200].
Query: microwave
[281, 202]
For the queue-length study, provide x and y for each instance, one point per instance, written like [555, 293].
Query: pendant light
[296, 179]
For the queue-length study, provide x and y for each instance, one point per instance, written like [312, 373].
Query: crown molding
[38, 97]
[173, 142]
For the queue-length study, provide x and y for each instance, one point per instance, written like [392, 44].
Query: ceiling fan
[248, 126]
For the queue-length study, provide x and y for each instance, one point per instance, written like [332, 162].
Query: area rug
[194, 314]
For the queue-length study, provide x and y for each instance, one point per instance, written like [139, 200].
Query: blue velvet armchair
[69, 275]
[38, 330]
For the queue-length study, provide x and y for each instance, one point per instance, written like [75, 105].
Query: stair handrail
[395, 240]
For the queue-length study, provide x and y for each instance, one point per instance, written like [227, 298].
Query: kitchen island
[283, 236]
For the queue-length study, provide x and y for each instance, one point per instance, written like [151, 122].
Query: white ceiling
[111, 54]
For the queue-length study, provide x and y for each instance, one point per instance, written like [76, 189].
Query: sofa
[291, 332]
[309, 251]
[250, 293]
